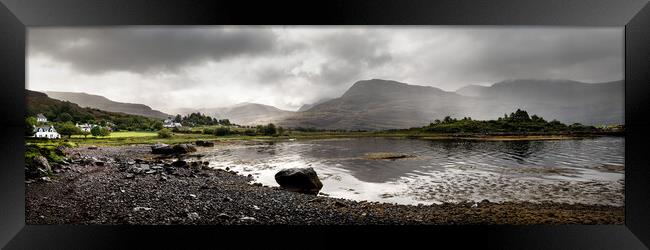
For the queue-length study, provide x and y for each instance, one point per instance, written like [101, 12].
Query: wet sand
[88, 192]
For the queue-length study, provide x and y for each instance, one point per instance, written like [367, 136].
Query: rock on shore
[204, 143]
[160, 148]
[301, 180]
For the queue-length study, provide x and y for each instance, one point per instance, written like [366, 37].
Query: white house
[41, 118]
[46, 132]
[85, 127]
[169, 123]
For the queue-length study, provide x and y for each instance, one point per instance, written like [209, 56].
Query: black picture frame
[17, 15]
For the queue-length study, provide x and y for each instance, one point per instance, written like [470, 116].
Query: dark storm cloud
[97, 50]
[351, 54]
[348, 55]
[360, 48]
[291, 66]
[587, 54]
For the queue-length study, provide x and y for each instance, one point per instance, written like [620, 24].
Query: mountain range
[103, 103]
[384, 104]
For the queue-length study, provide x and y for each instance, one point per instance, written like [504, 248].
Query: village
[43, 129]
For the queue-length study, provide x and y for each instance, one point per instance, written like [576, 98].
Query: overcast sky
[168, 67]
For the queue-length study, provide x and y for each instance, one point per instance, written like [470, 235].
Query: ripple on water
[586, 171]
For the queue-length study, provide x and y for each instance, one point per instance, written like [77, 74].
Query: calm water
[586, 171]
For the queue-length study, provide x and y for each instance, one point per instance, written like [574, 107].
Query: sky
[171, 67]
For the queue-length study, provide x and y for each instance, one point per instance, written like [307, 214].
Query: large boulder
[160, 148]
[37, 167]
[301, 180]
[205, 143]
[42, 163]
[183, 148]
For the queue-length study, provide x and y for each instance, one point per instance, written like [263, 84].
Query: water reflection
[473, 168]
[519, 150]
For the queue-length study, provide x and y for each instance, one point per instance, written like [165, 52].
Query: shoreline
[88, 192]
[190, 138]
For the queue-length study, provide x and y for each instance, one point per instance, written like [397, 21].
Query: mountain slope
[103, 103]
[54, 110]
[382, 104]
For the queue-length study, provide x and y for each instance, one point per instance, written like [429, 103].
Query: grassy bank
[122, 134]
[130, 137]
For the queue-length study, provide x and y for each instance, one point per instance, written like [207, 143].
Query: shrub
[222, 131]
[165, 133]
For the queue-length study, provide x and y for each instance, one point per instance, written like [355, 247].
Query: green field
[122, 134]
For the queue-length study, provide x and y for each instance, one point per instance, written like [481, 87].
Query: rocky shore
[130, 185]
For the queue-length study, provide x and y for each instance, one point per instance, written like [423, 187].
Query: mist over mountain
[306, 107]
[472, 90]
[565, 100]
[243, 113]
[103, 103]
[384, 104]
[379, 104]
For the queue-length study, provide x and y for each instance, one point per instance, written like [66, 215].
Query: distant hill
[53, 109]
[564, 100]
[103, 103]
[383, 104]
[244, 113]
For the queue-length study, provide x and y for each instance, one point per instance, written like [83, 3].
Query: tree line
[198, 119]
[518, 121]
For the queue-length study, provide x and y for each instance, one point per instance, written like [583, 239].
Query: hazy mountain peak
[385, 87]
[384, 104]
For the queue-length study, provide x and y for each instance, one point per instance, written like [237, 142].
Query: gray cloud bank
[170, 67]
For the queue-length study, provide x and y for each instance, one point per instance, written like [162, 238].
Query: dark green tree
[270, 129]
[96, 131]
[30, 122]
[520, 116]
[157, 125]
[68, 129]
